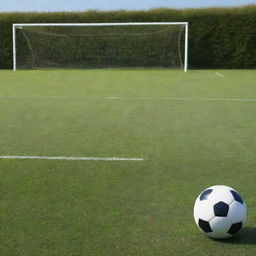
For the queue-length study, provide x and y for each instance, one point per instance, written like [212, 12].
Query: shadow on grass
[247, 236]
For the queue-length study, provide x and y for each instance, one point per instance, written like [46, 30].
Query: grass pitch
[193, 130]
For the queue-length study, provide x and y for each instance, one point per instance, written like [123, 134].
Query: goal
[100, 45]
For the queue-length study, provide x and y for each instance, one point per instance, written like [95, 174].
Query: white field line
[219, 74]
[132, 99]
[73, 158]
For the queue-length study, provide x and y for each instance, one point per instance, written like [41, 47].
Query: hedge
[218, 37]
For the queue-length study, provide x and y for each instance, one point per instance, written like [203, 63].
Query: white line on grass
[135, 99]
[219, 74]
[73, 158]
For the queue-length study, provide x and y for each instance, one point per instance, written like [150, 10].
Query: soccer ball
[220, 212]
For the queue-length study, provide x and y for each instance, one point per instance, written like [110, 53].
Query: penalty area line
[219, 74]
[72, 158]
[130, 99]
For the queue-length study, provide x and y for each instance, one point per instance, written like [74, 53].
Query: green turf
[62, 208]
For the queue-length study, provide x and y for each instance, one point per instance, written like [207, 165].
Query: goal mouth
[100, 45]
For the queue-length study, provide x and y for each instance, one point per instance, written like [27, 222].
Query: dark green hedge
[218, 37]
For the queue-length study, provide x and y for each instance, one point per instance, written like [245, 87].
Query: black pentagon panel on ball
[237, 197]
[221, 209]
[205, 226]
[235, 228]
[205, 194]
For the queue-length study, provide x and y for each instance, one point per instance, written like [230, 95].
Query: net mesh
[99, 46]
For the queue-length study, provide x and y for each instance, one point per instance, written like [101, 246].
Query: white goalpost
[100, 45]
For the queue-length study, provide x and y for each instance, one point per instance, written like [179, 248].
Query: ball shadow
[246, 236]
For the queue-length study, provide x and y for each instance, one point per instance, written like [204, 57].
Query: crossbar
[99, 24]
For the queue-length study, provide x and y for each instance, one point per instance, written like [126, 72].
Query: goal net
[100, 45]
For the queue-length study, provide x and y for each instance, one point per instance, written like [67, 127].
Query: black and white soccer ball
[220, 212]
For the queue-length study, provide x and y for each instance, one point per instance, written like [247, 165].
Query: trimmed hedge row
[218, 37]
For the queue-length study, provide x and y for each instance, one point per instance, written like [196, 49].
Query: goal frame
[14, 26]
